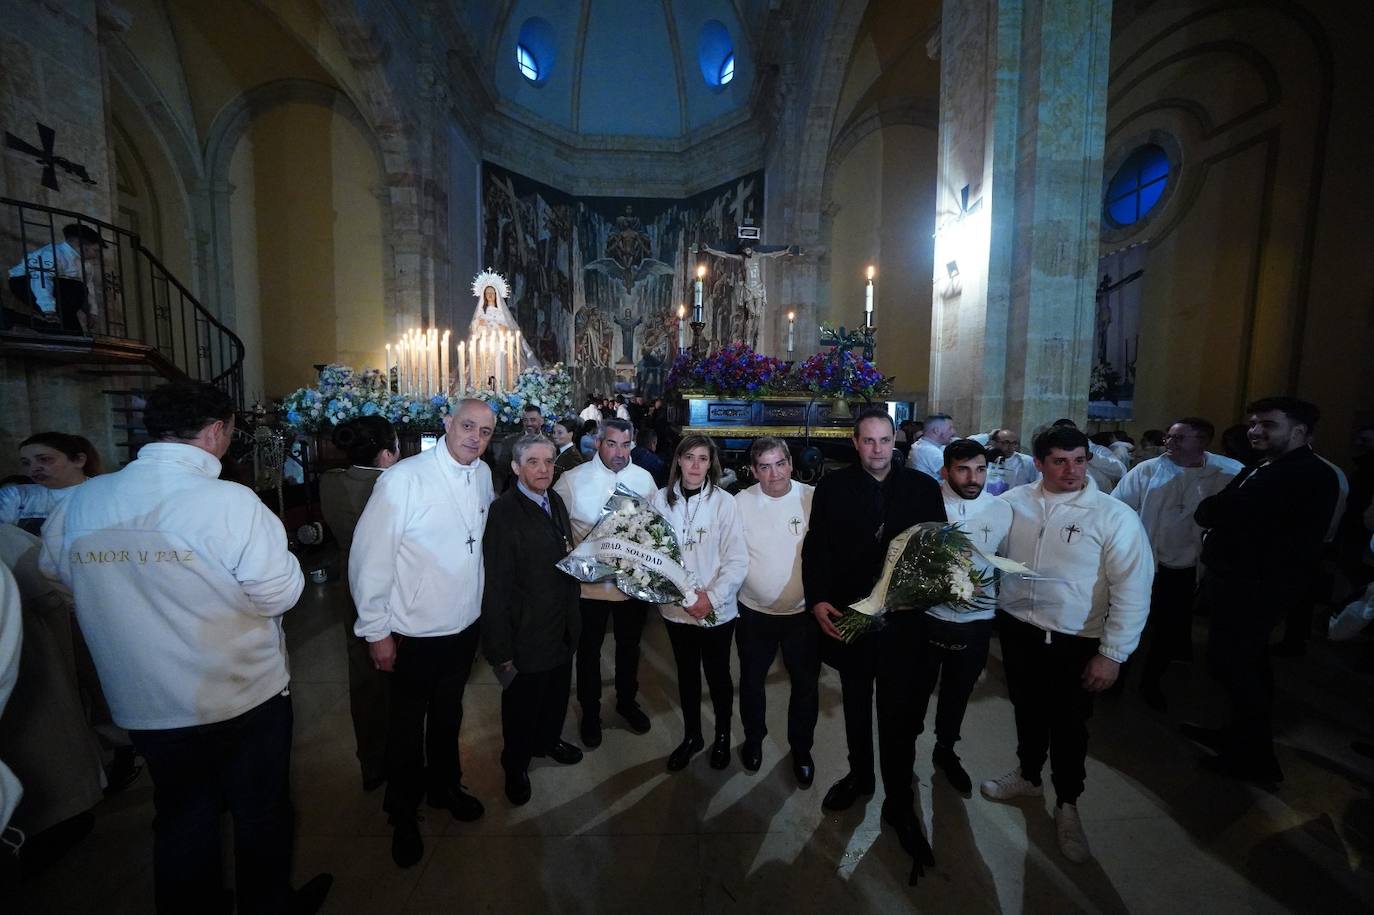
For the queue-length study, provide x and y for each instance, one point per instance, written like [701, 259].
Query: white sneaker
[1010, 786]
[1073, 842]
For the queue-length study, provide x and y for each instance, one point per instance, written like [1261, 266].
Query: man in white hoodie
[926, 455]
[416, 573]
[1067, 626]
[180, 581]
[954, 642]
[584, 490]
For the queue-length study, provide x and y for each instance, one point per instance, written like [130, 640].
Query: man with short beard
[1264, 537]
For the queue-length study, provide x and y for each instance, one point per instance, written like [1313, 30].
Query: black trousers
[532, 711]
[243, 764]
[1238, 656]
[628, 621]
[703, 648]
[919, 650]
[1045, 680]
[69, 294]
[368, 696]
[857, 664]
[1171, 621]
[954, 654]
[758, 637]
[425, 714]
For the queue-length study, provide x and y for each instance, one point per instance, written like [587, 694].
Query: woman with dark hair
[565, 440]
[55, 462]
[371, 445]
[711, 534]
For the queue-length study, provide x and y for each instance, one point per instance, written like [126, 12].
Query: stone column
[1023, 97]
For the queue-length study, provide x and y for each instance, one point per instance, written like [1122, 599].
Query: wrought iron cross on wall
[46, 156]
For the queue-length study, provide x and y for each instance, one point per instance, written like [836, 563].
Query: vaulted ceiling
[631, 68]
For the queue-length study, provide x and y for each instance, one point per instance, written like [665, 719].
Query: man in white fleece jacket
[1066, 627]
[180, 581]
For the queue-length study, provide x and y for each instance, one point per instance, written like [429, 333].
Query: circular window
[1138, 184]
[716, 54]
[534, 51]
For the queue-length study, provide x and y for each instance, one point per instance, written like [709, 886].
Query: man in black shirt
[855, 514]
[1264, 533]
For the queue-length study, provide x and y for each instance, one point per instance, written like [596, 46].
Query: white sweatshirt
[180, 580]
[11, 641]
[30, 500]
[1105, 468]
[1091, 563]
[1166, 495]
[585, 490]
[415, 567]
[986, 520]
[717, 551]
[774, 530]
[927, 457]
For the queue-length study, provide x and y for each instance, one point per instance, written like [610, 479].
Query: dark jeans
[367, 704]
[628, 617]
[955, 655]
[532, 711]
[69, 294]
[857, 663]
[1238, 656]
[758, 638]
[1171, 621]
[1045, 681]
[243, 764]
[703, 648]
[917, 651]
[426, 712]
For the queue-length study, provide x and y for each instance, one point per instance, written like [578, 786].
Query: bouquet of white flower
[929, 564]
[635, 546]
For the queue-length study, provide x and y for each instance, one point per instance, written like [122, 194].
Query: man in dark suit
[565, 440]
[530, 614]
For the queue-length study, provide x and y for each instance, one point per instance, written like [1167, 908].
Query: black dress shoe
[679, 758]
[804, 768]
[845, 792]
[407, 848]
[634, 716]
[518, 788]
[720, 751]
[564, 753]
[458, 802]
[751, 755]
[944, 758]
[310, 897]
[1213, 739]
[591, 733]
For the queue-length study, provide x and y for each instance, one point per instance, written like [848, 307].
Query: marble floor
[617, 833]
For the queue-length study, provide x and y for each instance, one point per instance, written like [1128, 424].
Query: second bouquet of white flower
[635, 547]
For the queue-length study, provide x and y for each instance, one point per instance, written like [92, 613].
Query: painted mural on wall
[596, 281]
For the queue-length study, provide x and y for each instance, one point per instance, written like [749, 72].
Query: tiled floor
[617, 833]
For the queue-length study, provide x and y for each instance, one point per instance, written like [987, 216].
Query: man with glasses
[1165, 492]
[1010, 467]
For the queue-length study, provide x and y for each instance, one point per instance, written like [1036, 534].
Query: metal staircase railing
[133, 296]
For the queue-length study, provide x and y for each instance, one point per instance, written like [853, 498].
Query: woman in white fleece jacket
[711, 534]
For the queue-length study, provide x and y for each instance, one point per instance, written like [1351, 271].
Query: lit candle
[868, 299]
[443, 364]
[433, 352]
[791, 331]
[681, 328]
[401, 366]
[696, 303]
[462, 382]
[387, 367]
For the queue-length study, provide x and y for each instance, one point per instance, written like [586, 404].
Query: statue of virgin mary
[491, 313]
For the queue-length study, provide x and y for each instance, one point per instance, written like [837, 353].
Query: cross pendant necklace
[470, 542]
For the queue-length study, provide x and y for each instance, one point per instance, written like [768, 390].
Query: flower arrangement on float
[343, 394]
[736, 370]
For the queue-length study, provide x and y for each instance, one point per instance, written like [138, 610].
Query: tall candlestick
[443, 364]
[461, 386]
[791, 331]
[868, 299]
[681, 328]
[696, 302]
[386, 368]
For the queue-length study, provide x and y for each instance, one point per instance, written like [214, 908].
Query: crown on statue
[493, 279]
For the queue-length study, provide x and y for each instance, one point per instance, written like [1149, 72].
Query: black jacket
[1264, 531]
[853, 519]
[530, 610]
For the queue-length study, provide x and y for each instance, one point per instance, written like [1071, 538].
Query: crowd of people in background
[151, 609]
